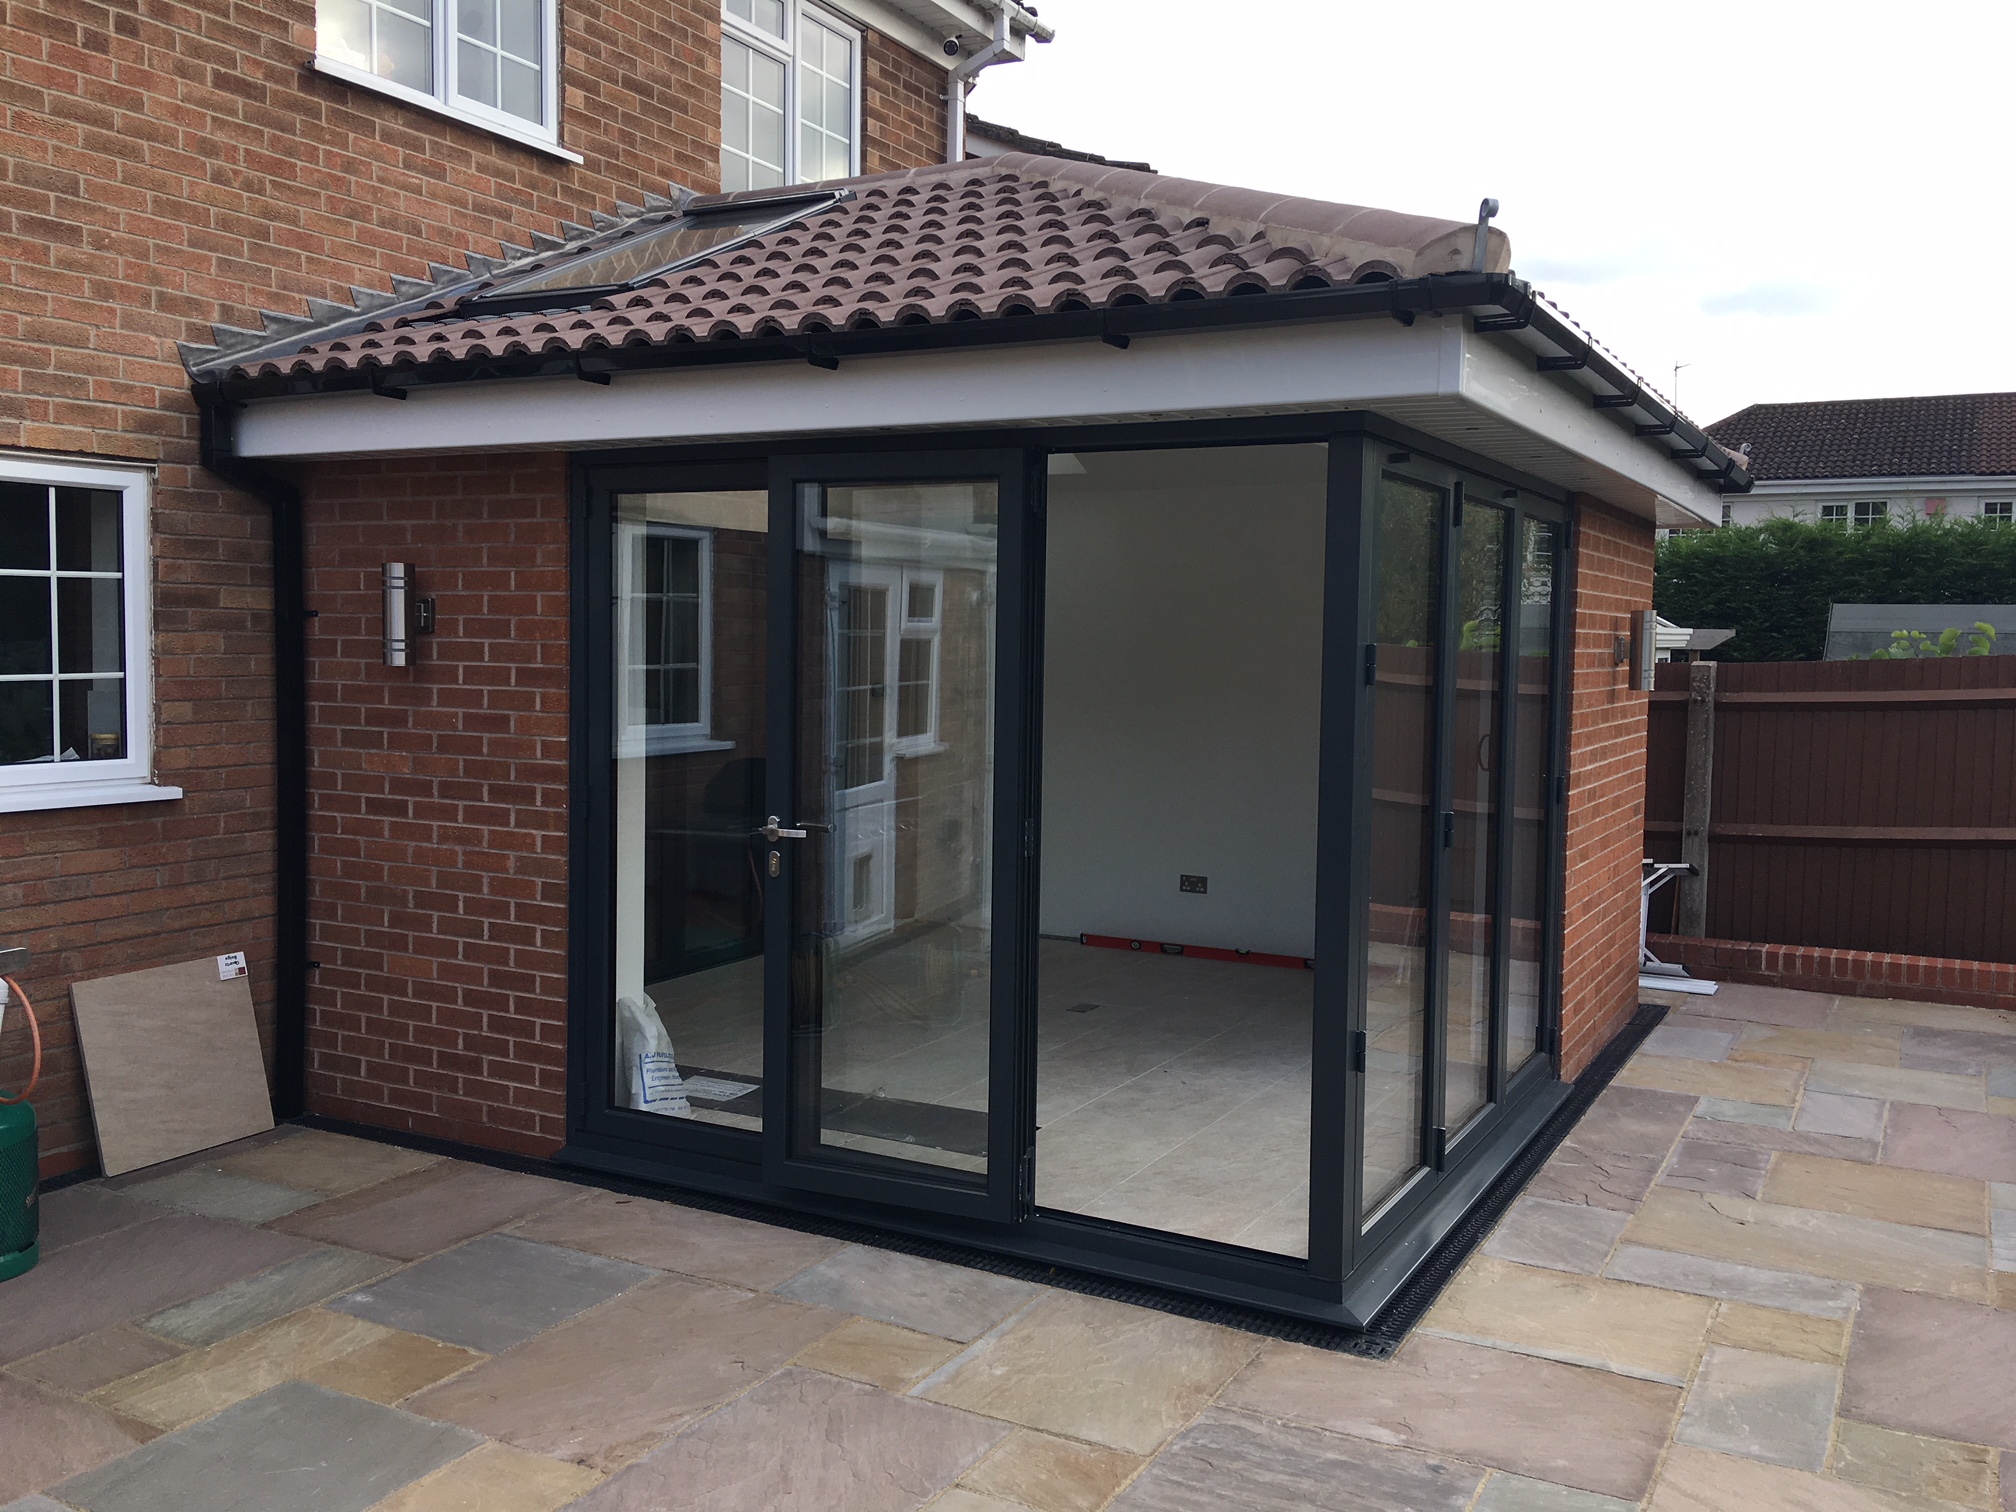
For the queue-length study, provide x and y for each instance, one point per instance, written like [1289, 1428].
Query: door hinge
[1456, 507]
[1372, 664]
[1361, 1049]
[1448, 829]
[1439, 1144]
[1025, 1180]
[1028, 838]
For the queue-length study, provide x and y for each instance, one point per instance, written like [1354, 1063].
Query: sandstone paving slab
[611, 1384]
[204, 1381]
[1592, 1430]
[1963, 1474]
[926, 1296]
[1756, 1137]
[295, 1448]
[493, 1292]
[83, 1365]
[2002, 1240]
[1230, 1462]
[46, 1437]
[218, 1193]
[1951, 1141]
[1725, 1110]
[881, 1354]
[1700, 1480]
[1519, 1493]
[1768, 1330]
[1896, 1015]
[1596, 1178]
[1932, 1366]
[130, 1273]
[1091, 1369]
[329, 1164]
[391, 1368]
[246, 1304]
[427, 1210]
[1761, 1406]
[1960, 1051]
[1834, 1113]
[75, 1213]
[1772, 1005]
[1567, 1236]
[669, 1237]
[1582, 1320]
[1033, 1469]
[1705, 1166]
[495, 1478]
[34, 1504]
[1634, 1121]
[1868, 1047]
[1834, 1245]
[1935, 1089]
[805, 1442]
[1685, 1043]
[1738, 1083]
[2002, 1194]
[1919, 1198]
[959, 1499]
[1760, 1286]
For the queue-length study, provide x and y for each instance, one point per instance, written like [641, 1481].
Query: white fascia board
[923, 25]
[1271, 370]
[1501, 381]
[1866, 488]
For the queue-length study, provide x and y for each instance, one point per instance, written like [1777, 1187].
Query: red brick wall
[170, 165]
[438, 800]
[1606, 786]
[904, 109]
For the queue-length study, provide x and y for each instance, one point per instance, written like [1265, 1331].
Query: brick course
[170, 165]
[1845, 973]
[1606, 786]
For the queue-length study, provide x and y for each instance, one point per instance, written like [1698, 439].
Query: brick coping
[1849, 973]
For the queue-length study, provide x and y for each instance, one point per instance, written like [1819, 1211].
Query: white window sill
[667, 743]
[63, 795]
[525, 136]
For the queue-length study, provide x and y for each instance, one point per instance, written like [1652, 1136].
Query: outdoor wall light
[406, 614]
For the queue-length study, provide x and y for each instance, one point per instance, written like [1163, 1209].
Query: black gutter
[1500, 303]
[290, 748]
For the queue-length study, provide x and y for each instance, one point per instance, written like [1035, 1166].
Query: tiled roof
[1934, 435]
[1008, 139]
[989, 239]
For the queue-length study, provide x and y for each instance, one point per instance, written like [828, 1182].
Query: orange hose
[35, 1035]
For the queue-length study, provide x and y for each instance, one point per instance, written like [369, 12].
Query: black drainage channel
[1377, 1342]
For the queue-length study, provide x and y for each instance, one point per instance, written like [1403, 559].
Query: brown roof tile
[987, 240]
[1930, 435]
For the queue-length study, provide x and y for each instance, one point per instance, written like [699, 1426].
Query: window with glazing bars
[790, 101]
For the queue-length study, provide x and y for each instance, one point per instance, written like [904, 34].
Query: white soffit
[923, 25]
[1433, 376]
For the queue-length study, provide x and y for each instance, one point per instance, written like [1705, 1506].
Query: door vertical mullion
[1504, 794]
[780, 1077]
[1436, 1046]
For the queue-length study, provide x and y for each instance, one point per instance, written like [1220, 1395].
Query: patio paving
[1773, 1270]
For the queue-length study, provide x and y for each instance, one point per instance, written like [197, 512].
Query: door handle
[773, 832]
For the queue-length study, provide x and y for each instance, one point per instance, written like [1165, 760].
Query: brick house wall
[439, 802]
[169, 166]
[1606, 786]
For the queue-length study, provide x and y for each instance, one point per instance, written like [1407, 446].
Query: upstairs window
[488, 62]
[1871, 512]
[1999, 511]
[790, 97]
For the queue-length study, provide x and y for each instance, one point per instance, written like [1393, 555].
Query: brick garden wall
[438, 800]
[1606, 786]
[170, 165]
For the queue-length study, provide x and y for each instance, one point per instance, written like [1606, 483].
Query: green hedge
[1773, 583]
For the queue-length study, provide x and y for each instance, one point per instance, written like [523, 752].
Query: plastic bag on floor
[651, 1079]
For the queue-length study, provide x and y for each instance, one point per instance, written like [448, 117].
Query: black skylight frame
[511, 298]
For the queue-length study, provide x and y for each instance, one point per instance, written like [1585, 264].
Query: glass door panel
[691, 602]
[892, 955]
[1408, 548]
[1476, 757]
[1532, 778]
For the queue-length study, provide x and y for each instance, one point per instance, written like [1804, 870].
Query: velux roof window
[649, 249]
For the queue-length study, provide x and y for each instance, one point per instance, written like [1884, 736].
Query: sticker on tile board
[172, 1062]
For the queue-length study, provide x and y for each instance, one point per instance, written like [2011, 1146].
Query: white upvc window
[76, 632]
[666, 624]
[790, 95]
[490, 63]
[1871, 511]
[2000, 511]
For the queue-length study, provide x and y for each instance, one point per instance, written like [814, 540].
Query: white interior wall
[1182, 678]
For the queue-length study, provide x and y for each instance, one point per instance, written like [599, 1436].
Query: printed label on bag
[232, 965]
[659, 1081]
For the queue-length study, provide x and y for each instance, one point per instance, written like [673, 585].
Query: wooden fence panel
[1859, 805]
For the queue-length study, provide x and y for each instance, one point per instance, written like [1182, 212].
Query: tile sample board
[172, 1059]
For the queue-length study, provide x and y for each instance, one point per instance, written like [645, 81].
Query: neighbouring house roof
[1933, 435]
[992, 239]
[1007, 139]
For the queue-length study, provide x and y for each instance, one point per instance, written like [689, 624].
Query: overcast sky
[1800, 201]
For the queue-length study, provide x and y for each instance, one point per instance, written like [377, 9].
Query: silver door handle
[773, 832]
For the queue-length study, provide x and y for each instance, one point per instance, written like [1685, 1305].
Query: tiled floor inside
[1774, 1268]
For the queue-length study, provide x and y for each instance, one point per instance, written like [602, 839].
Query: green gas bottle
[19, 1214]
